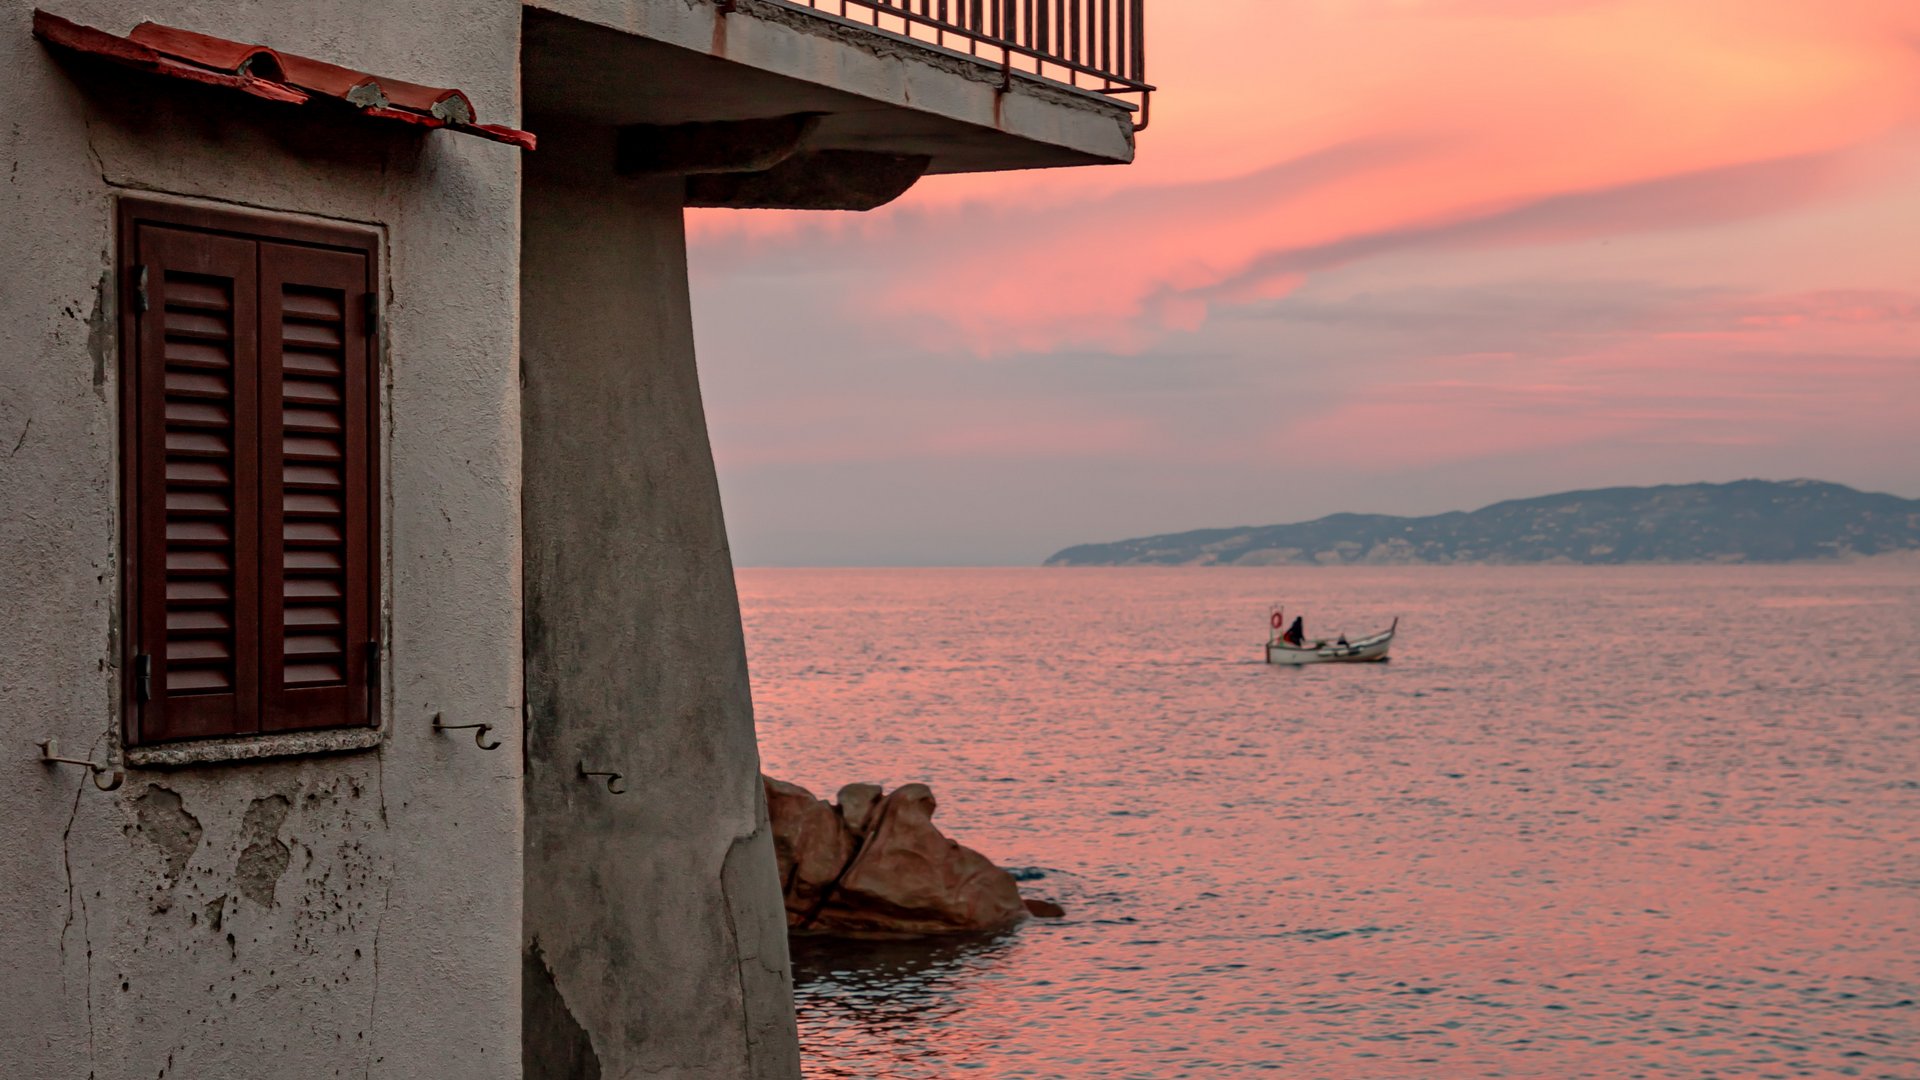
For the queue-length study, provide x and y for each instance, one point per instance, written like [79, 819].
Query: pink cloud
[1392, 254]
[1746, 372]
[1296, 138]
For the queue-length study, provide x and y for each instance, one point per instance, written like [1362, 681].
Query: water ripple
[1591, 822]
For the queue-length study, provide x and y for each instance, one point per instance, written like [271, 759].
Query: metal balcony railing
[1095, 45]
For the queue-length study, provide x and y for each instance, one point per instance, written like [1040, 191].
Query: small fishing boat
[1366, 650]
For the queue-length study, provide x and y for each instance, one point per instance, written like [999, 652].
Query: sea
[1588, 822]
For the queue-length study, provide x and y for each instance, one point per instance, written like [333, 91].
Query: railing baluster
[1139, 41]
[1105, 53]
[1105, 40]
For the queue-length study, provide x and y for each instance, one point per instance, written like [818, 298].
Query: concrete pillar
[655, 935]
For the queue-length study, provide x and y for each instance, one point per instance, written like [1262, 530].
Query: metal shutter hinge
[373, 665]
[141, 301]
[372, 300]
[143, 677]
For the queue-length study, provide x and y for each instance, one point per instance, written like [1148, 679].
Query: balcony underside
[664, 63]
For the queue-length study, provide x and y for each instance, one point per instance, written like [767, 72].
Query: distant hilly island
[1745, 521]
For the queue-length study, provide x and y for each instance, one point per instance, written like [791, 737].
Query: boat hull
[1372, 650]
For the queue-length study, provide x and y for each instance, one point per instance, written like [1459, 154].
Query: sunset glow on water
[1589, 822]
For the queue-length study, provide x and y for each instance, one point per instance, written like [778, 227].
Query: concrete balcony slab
[658, 62]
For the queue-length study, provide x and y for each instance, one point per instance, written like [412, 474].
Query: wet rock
[908, 877]
[875, 866]
[1045, 909]
[857, 803]
[810, 841]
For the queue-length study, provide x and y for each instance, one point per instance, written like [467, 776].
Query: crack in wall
[739, 958]
[757, 1029]
[380, 924]
[86, 936]
[373, 1000]
[93, 151]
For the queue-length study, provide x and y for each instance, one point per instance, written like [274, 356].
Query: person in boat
[1296, 634]
[1343, 641]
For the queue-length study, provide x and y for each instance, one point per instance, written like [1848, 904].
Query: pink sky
[1382, 255]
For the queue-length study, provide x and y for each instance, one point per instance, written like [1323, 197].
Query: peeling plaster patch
[265, 857]
[163, 821]
[554, 1045]
[100, 330]
[216, 912]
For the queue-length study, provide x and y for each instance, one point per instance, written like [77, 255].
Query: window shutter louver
[315, 543]
[197, 488]
[250, 481]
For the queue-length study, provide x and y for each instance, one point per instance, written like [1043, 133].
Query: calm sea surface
[1589, 822]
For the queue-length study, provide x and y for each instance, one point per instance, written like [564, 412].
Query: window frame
[259, 227]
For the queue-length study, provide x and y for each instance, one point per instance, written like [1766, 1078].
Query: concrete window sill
[253, 748]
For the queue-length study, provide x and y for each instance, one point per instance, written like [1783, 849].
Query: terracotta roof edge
[276, 76]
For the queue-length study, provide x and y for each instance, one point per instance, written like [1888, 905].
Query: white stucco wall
[361, 914]
[347, 915]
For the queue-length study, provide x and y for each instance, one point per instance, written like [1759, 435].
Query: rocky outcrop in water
[874, 865]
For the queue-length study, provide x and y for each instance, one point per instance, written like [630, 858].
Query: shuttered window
[251, 465]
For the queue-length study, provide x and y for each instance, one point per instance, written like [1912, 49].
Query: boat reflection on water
[883, 1008]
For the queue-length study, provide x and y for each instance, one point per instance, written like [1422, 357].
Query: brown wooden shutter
[316, 472]
[249, 405]
[193, 485]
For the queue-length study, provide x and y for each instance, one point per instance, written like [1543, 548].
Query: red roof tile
[217, 53]
[125, 51]
[276, 76]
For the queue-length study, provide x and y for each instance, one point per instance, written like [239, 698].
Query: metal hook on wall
[480, 731]
[50, 753]
[616, 783]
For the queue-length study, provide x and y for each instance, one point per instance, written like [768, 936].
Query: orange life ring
[1278, 620]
